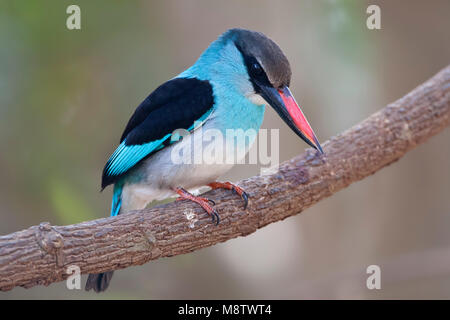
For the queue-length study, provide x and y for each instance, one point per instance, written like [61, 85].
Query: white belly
[191, 163]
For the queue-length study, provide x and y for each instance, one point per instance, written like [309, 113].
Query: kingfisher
[227, 88]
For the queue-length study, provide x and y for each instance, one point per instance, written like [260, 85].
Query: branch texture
[41, 254]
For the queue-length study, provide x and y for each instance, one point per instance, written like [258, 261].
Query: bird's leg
[232, 187]
[205, 203]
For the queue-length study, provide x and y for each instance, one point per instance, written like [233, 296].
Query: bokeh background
[65, 97]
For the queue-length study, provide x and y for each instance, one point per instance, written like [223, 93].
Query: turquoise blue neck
[223, 66]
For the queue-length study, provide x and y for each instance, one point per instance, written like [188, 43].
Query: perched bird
[228, 87]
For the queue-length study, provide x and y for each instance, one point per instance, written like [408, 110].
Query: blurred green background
[65, 97]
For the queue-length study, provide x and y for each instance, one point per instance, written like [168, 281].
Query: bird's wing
[176, 104]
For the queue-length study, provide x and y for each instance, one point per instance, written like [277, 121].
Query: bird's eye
[256, 68]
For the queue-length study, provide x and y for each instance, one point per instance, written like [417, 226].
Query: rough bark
[41, 254]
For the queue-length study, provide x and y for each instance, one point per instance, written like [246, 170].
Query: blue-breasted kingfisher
[228, 87]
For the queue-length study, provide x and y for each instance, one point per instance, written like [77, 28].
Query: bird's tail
[100, 282]
[117, 199]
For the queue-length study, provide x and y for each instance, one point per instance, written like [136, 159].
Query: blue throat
[223, 66]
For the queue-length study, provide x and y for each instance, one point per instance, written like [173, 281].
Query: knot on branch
[133, 239]
[51, 241]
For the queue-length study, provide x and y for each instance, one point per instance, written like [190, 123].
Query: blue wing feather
[180, 103]
[125, 157]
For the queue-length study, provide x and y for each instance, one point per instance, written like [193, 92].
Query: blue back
[222, 65]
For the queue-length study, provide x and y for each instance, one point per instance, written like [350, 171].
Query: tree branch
[41, 254]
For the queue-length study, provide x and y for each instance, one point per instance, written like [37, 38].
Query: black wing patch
[175, 104]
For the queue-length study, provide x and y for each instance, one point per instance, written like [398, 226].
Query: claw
[205, 203]
[244, 196]
[216, 215]
[234, 189]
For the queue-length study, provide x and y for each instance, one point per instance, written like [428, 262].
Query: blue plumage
[127, 156]
[117, 199]
[177, 104]
[228, 87]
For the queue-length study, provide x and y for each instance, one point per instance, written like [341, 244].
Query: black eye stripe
[255, 71]
[253, 67]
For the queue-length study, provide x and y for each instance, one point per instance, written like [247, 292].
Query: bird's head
[268, 76]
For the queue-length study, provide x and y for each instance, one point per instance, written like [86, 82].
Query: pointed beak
[285, 105]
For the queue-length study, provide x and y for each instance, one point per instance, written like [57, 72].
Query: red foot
[232, 187]
[203, 202]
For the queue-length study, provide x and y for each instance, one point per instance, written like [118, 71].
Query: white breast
[193, 162]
